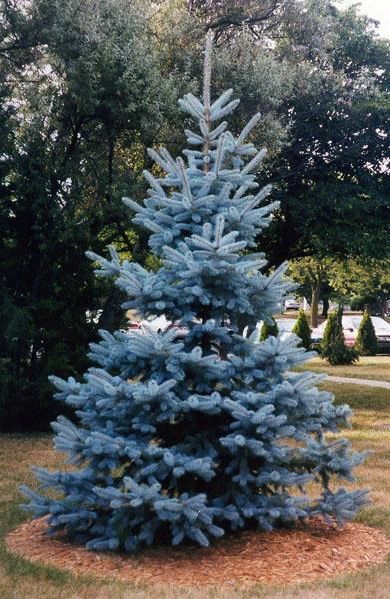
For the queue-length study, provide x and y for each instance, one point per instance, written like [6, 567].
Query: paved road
[367, 382]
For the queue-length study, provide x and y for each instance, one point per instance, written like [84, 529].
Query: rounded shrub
[269, 329]
[366, 342]
[333, 348]
[302, 330]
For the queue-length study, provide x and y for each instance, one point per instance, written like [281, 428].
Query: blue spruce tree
[183, 439]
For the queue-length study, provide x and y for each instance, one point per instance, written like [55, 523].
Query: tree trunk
[110, 179]
[315, 296]
[325, 307]
[113, 316]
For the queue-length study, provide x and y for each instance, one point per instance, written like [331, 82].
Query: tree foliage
[81, 80]
[366, 341]
[86, 86]
[330, 169]
[187, 438]
[311, 273]
[362, 281]
[333, 348]
[268, 329]
[302, 330]
[354, 281]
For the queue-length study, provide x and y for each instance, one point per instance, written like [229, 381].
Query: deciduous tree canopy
[86, 86]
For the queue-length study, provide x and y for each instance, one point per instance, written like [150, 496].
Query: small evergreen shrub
[333, 348]
[268, 330]
[302, 330]
[366, 342]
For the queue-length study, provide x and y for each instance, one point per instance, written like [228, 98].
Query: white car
[291, 304]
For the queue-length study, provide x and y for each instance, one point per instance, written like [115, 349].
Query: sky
[376, 9]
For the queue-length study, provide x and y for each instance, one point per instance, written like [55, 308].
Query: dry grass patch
[368, 367]
[370, 432]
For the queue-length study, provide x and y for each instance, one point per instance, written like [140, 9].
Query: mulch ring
[311, 552]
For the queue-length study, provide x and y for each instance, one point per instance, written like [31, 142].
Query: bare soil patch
[309, 553]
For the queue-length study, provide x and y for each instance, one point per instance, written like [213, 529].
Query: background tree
[87, 86]
[362, 282]
[335, 197]
[312, 273]
[226, 18]
[330, 170]
[82, 81]
[350, 281]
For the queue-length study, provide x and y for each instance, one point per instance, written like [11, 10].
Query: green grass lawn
[21, 580]
[368, 367]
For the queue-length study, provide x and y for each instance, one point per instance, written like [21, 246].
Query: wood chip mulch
[308, 553]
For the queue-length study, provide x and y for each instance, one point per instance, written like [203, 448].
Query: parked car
[291, 304]
[350, 330]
